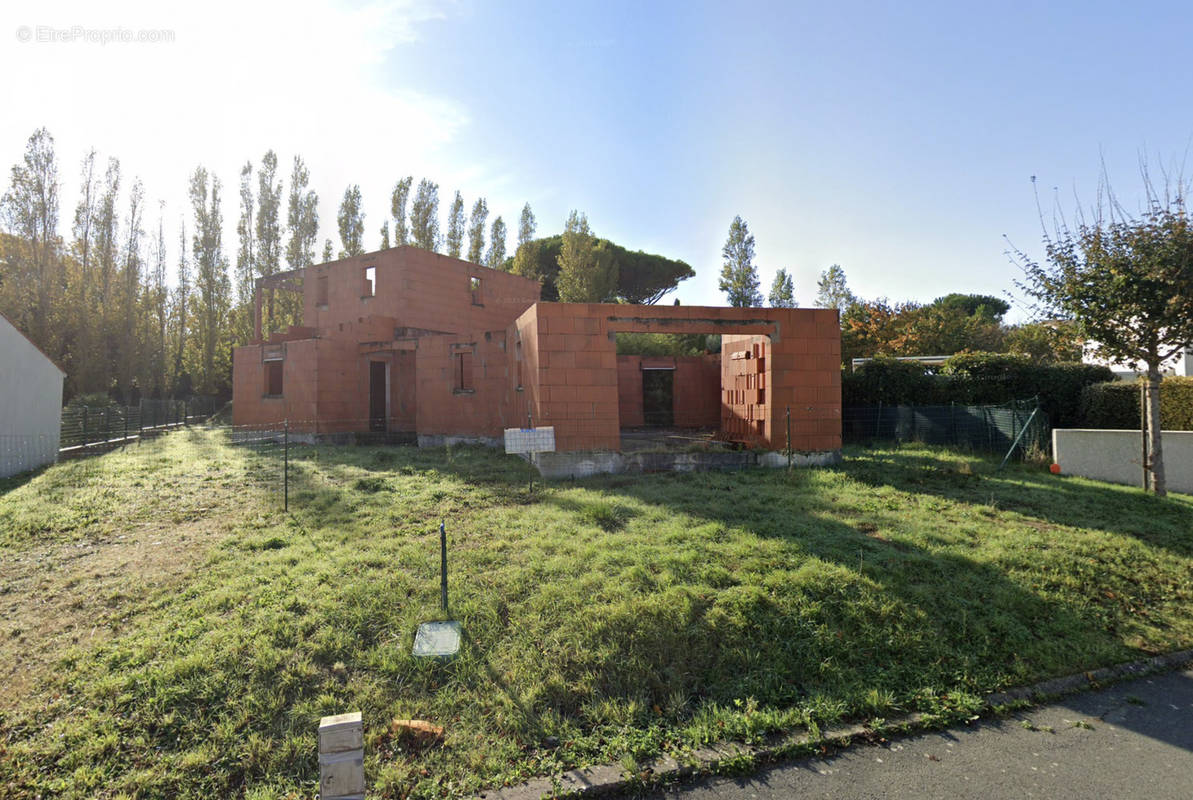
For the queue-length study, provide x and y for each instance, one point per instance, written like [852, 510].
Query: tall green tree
[398, 200]
[159, 297]
[182, 311]
[782, 291]
[739, 276]
[455, 227]
[476, 230]
[329, 252]
[587, 269]
[269, 207]
[526, 225]
[385, 235]
[129, 356]
[30, 208]
[246, 261]
[424, 216]
[1127, 281]
[496, 255]
[302, 218]
[351, 220]
[211, 283]
[832, 291]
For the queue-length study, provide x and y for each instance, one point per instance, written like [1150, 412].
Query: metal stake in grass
[439, 639]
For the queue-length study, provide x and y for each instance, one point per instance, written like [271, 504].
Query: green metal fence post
[286, 466]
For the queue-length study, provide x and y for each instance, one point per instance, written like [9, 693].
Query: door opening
[377, 370]
[658, 397]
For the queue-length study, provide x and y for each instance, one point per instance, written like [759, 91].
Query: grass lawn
[165, 630]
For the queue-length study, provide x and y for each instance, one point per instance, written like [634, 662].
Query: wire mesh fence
[87, 428]
[1018, 428]
[283, 457]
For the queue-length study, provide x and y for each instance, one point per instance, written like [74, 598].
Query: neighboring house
[1181, 364]
[30, 403]
[411, 343]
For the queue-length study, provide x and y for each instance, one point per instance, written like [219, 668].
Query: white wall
[30, 404]
[1115, 456]
[1180, 364]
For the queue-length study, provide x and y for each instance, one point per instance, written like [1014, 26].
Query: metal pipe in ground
[443, 567]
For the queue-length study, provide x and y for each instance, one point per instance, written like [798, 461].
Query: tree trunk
[1154, 429]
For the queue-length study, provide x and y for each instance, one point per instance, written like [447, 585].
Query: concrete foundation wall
[585, 464]
[1115, 456]
[30, 403]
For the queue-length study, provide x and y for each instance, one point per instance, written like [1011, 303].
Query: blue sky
[896, 139]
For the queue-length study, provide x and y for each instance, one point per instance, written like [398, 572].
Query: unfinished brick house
[412, 343]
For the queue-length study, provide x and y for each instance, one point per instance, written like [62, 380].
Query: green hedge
[976, 379]
[1116, 405]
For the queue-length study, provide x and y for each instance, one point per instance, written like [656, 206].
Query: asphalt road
[1134, 739]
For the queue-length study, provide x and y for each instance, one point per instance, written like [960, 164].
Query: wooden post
[341, 757]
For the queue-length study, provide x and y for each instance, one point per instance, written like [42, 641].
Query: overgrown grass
[605, 620]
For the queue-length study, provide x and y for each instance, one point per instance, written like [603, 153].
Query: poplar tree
[385, 235]
[211, 279]
[99, 361]
[496, 256]
[526, 225]
[302, 218]
[455, 227]
[782, 291]
[31, 213]
[268, 257]
[128, 356]
[329, 253]
[739, 276]
[159, 302]
[587, 269]
[424, 216]
[832, 291]
[246, 266]
[351, 220]
[397, 206]
[182, 296]
[476, 231]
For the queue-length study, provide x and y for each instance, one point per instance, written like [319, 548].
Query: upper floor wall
[418, 289]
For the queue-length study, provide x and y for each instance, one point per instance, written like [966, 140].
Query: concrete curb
[608, 778]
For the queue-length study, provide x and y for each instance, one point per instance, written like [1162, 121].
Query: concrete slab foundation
[583, 464]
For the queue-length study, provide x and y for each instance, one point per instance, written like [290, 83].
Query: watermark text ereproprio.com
[51, 34]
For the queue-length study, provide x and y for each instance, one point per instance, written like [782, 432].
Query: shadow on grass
[1051, 499]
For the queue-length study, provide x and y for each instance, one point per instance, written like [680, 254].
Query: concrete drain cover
[437, 639]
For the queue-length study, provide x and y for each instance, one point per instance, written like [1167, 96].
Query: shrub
[1116, 405]
[890, 382]
[976, 379]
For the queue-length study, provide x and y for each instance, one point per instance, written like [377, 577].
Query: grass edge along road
[607, 620]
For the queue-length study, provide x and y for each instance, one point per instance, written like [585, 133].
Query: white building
[30, 403]
[1181, 364]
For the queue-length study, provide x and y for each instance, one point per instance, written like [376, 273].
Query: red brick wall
[485, 410]
[251, 406]
[698, 391]
[629, 392]
[575, 384]
[418, 289]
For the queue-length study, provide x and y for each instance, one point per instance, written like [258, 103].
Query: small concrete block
[341, 774]
[341, 733]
